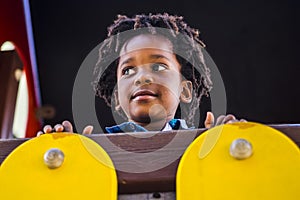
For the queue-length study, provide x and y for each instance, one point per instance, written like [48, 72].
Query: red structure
[15, 26]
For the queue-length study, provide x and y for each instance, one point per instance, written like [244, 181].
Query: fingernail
[39, 133]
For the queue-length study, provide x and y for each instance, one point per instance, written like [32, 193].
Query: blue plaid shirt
[176, 124]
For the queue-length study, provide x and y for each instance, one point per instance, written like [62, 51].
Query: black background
[254, 44]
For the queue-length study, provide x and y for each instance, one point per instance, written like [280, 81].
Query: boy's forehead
[147, 41]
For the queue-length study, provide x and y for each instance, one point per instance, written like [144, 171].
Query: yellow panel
[207, 171]
[86, 173]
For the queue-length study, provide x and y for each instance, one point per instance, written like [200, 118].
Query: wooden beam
[160, 180]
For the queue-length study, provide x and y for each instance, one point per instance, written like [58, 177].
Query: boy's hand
[65, 126]
[222, 119]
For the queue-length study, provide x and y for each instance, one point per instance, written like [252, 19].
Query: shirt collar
[174, 124]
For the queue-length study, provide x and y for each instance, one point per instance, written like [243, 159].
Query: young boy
[150, 84]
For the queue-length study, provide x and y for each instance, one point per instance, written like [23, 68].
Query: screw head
[54, 158]
[241, 149]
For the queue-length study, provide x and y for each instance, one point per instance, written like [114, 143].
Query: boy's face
[150, 86]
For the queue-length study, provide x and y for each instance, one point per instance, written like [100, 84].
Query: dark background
[254, 44]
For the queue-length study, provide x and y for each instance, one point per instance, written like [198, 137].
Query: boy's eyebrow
[127, 61]
[152, 56]
[158, 56]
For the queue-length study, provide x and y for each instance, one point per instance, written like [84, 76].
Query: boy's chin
[149, 114]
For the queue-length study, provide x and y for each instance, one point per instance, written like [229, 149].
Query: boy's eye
[159, 67]
[128, 71]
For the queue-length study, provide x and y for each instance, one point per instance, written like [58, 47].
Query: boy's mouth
[142, 95]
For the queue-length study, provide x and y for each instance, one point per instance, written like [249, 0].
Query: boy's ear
[117, 103]
[186, 93]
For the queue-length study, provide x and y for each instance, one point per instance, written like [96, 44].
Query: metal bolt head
[54, 158]
[241, 149]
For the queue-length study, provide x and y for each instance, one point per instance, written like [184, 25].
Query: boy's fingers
[47, 129]
[39, 133]
[58, 128]
[68, 126]
[220, 120]
[210, 120]
[88, 130]
[228, 118]
[232, 121]
[236, 120]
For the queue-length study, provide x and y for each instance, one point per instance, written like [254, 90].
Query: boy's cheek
[123, 87]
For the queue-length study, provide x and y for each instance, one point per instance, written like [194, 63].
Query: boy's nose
[143, 79]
